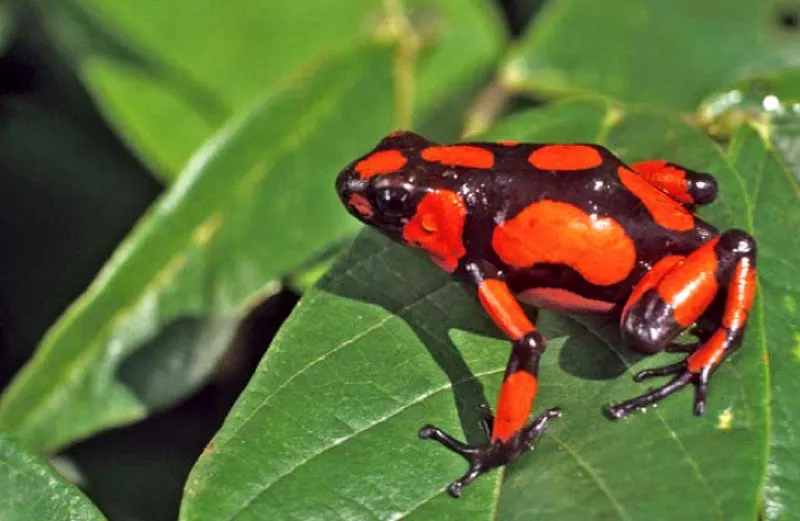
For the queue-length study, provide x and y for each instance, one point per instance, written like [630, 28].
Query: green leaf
[33, 490]
[665, 54]
[771, 208]
[254, 204]
[386, 342]
[169, 74]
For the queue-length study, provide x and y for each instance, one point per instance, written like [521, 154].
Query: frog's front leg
[674, 295]
[509, 435]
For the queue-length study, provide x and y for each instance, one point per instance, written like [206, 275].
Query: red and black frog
[567, 227]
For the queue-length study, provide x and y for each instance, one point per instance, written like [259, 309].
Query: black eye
[392, 201]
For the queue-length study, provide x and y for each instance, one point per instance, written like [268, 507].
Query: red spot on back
[666, 177]
[361, 205]
[514, 404]
[690, 287]
[565, 157]
[554, 232]
[666, 211]
[504, 309]
[437, 227]
[564, 300]
[381, 162]
[459, 155]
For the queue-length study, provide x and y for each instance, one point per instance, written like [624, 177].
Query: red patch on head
[437, 227]
[514, 404]
[508, 143]
[666, 211]
[382, 162]
[741, 292]
[564, 300]
[666, 177]
[459, 155]
[360, 204]
[504, 309]
[554, 232]
[565, 157]
[691, 287]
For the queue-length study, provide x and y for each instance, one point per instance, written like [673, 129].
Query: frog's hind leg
[675, 297]
[686, 186]
[509, 435]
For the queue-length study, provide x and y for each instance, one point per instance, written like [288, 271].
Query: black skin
[498, 194]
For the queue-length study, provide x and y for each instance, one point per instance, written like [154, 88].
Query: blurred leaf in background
[667, 55]
[254, 204]
[170, 74]
[772, 102]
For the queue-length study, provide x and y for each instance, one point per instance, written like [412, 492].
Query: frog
[571, 228]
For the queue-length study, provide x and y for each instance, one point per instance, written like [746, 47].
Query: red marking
[437, 227]
[504, 309]
[514, 405]
[666, 177]
[710, 353]
[666, 211]
[741, 291]
[554, 232]
[382, 162]
[361, 205]
[651, 279]
[690, 287]
[565, 157]
[508, 143]
[398, 133]
[459, 155]
[564, 300]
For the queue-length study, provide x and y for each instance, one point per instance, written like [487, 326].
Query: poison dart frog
[568, 227]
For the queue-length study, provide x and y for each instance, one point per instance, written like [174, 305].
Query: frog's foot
[683, 377]
[496, 454]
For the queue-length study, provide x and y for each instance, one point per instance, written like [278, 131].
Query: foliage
[244, 111]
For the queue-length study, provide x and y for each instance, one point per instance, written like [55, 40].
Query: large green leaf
[666, 54]
[254, 203]
[169, 73]
[33, 490]
[772, 210]
[771, 104]
[385, 343]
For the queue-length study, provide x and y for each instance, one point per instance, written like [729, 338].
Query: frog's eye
[393, 202]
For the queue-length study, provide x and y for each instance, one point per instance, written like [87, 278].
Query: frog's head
[406, 198]
[383, 188]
